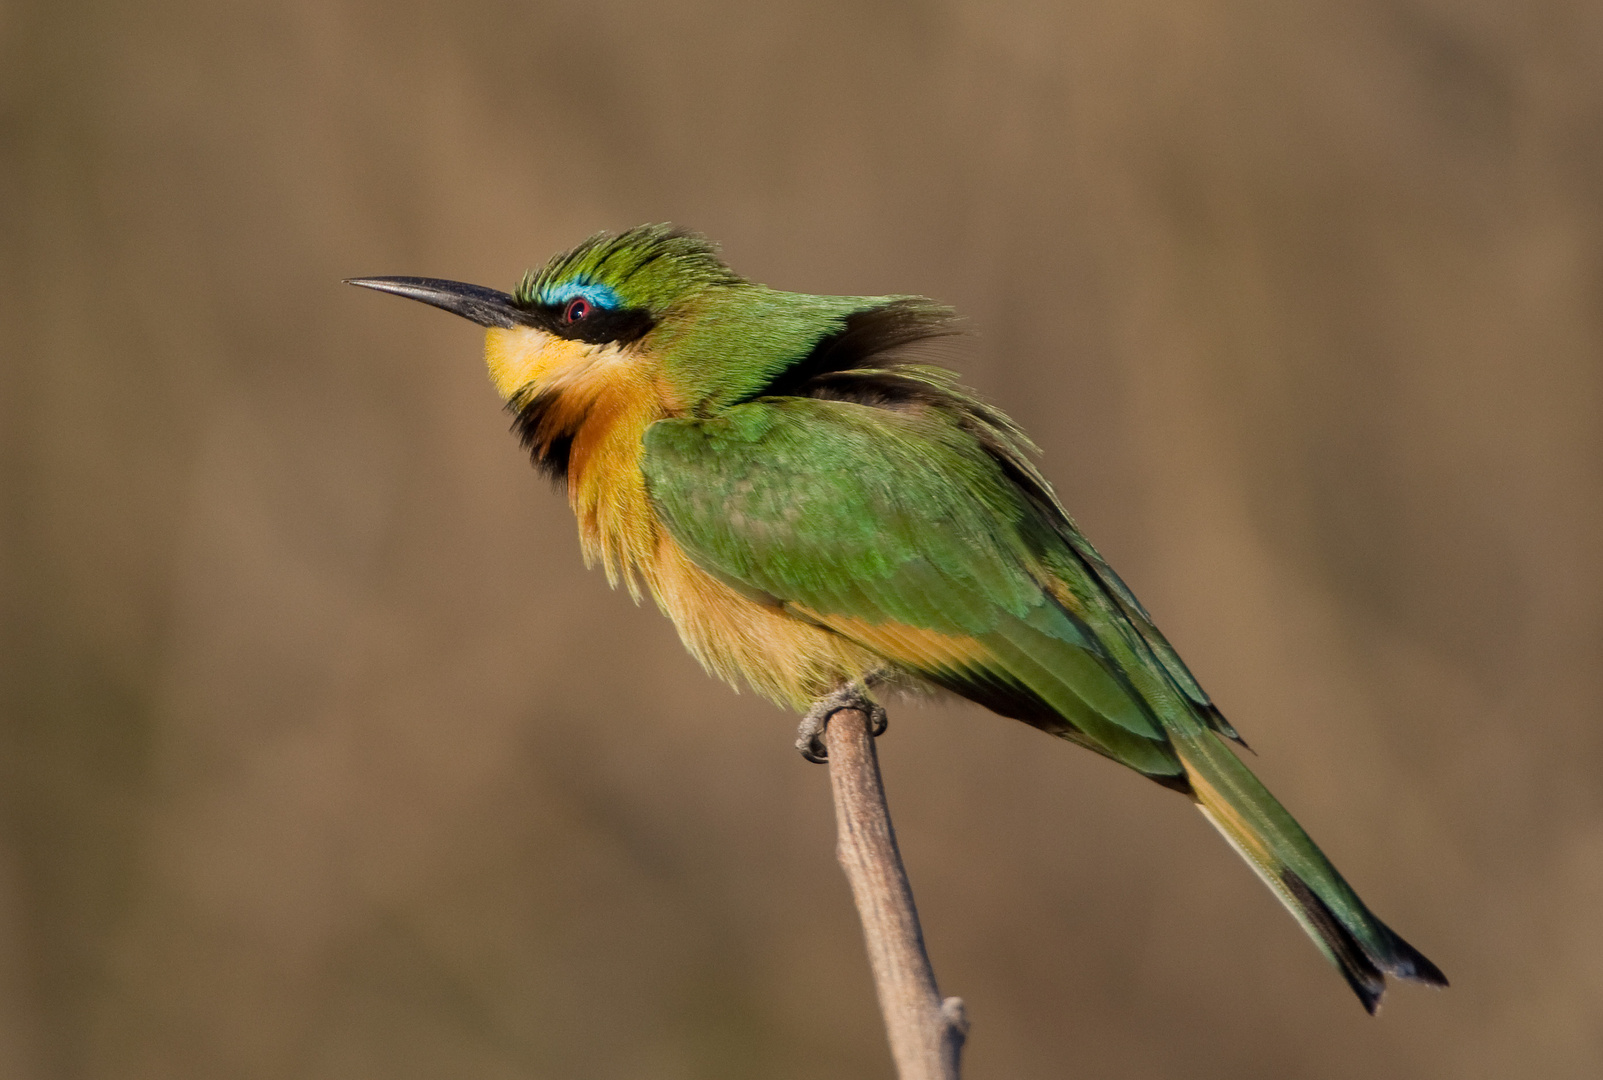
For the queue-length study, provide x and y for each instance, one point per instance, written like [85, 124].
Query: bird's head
[655, 309]
[585, 311]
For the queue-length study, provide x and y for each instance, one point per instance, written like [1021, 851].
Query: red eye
[577, 309]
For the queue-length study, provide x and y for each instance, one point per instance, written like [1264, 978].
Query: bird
[827, 516]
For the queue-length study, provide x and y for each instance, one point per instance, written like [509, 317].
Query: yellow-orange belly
[786, 659]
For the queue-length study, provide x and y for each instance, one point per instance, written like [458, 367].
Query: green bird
[822, 515]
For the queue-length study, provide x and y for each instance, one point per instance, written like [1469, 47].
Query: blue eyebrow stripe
[601, 296]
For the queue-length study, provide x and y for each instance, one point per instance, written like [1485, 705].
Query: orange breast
[786, 659]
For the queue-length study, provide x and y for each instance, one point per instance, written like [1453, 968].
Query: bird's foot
[810, 735]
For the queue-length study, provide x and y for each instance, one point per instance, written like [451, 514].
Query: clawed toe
[810, 739]
[810, 733]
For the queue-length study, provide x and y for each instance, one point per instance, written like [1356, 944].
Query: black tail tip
[1407, 962]
[1365, 967]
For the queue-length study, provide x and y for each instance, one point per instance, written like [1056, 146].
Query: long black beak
[484, 306]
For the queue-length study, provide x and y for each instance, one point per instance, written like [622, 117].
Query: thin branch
[926, 1033]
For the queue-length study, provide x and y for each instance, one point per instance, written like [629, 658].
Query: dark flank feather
[868, 339]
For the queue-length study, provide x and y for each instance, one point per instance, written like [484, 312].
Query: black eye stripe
[598, 326]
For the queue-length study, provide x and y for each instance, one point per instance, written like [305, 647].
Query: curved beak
[487, 307]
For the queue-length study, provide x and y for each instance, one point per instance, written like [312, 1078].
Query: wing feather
[900, 531]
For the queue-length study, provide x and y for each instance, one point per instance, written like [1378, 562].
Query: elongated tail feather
[1364, 949]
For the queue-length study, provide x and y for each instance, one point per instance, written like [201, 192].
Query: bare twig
[926, 1033]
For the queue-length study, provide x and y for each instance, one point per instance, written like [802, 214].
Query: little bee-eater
[820, 514]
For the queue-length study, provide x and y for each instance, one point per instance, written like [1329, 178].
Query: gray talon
[810, 740]
[878, 719]
[810, 733]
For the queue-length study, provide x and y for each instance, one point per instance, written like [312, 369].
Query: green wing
[1136, 622]
[925, 535]
[900, 528]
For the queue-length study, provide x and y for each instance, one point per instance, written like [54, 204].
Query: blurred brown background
[323, 757]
